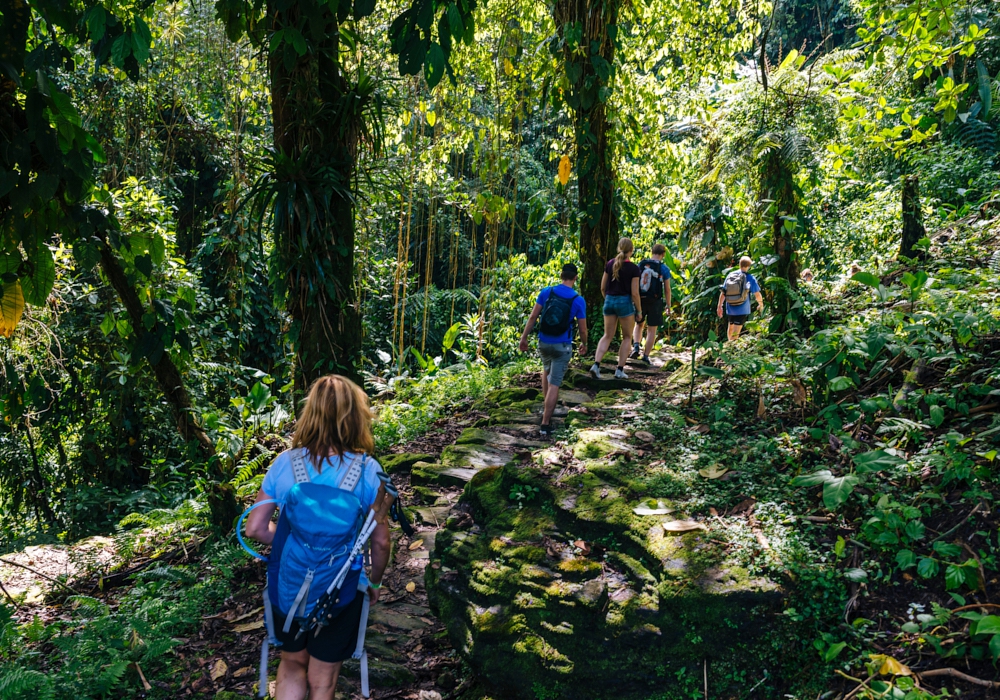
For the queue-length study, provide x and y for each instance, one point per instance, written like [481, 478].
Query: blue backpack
[318, 534]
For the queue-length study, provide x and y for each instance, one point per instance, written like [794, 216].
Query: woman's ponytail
[625, 249]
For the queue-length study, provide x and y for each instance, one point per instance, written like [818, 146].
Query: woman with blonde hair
[330, 447]
[620, 287]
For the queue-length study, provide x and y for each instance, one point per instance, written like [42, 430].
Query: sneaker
[645, 360]
[620, 374]
[635, 351]
[595, 371]
[545, 431]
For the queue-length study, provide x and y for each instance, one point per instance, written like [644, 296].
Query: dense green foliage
[204, 205]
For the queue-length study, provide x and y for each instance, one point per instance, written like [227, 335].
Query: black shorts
[738, 320]
[335, 642]
[652, 311]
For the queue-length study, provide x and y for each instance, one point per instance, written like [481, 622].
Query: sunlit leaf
[11, 308]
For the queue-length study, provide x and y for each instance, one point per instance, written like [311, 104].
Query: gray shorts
[555, 360]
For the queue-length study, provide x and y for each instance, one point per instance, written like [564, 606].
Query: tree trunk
[586, 28]
[913, 224]
[221, 498]
[317, 122]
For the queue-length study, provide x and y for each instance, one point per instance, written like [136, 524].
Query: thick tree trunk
[221, 498]
[913, 224]
[317, 121]
[586, 28]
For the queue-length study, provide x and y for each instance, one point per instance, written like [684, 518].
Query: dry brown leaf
[683, 525]
[798, 393]
[702, 428]
[582, 546]
[410, 587]
[249, 614]
[713, 472]
[416, 544]
[643, 436]
[245, 671]
[219, 669]
[761, 407]
[248, 626]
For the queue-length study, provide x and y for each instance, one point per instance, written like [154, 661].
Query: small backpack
[321, 530]
[557, 314]
[650, 280]
[736, 288]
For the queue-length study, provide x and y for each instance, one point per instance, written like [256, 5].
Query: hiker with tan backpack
[735, 297]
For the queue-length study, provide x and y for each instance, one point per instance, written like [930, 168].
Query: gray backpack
[736, 288]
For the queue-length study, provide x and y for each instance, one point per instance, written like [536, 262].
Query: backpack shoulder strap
[352, 476]
[299, 468]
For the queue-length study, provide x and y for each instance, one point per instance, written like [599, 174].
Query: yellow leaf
[891, 667]
[564, 168]
[406, 118]
[219, 669]
[416, 544]
[11, 308]
[713, 472]
[248, 626]
[508, 67]
[431, 118]
[410, 587]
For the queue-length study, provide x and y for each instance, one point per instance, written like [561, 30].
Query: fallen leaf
[835, 443]
[798, 393]
[644, 436]
[246, 615]
[410, 587]
[429, 694]
[219, 669]
[652, 507]
[761, 407]
[703, 428]
[248, 626]
[582, 546]
[245, 671]
[892, 667]
[744, 506]
[683, 526]
[714, 471]
[713, 512]
[416, 544]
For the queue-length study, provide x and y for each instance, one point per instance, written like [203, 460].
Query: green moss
[402, 462]
[510, 395]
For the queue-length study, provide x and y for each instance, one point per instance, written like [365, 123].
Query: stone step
[579, 379]
[435, 516]
[425, 474]
[478, 436]
[402, 461]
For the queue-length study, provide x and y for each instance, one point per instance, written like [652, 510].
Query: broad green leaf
[836, 491]
[713, 372]
[906, 559]
[841, 383]
[937, 415]
[988, 625]
[915, 530]
[954, 576]
[815, 479]
[840, 546]
[874, 461]
[866, 278]
[434, 65]
[927, 567]
[363, 8]
[108, 324]
[856, 575]
[947, 550]
[834, 651]
[451, 335]
[995, 647]
[38, 284]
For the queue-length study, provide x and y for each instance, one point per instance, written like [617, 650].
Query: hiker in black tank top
[620, 287]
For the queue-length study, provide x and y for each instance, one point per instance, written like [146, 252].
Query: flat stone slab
[579, 379]
[571, 397]
[474, 456]
[402, 461]
[432, 515]
[478, 436]
[399, 616]
[441, 475]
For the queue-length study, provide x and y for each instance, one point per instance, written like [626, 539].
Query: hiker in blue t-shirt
[735, 297]
[558, 306]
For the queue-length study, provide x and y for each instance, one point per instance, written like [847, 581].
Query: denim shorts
[620, 306]
[555, 360]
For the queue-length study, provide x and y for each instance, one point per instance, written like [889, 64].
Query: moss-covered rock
[402, 462]
[535, 617]
[479, 436]
[510, 395]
